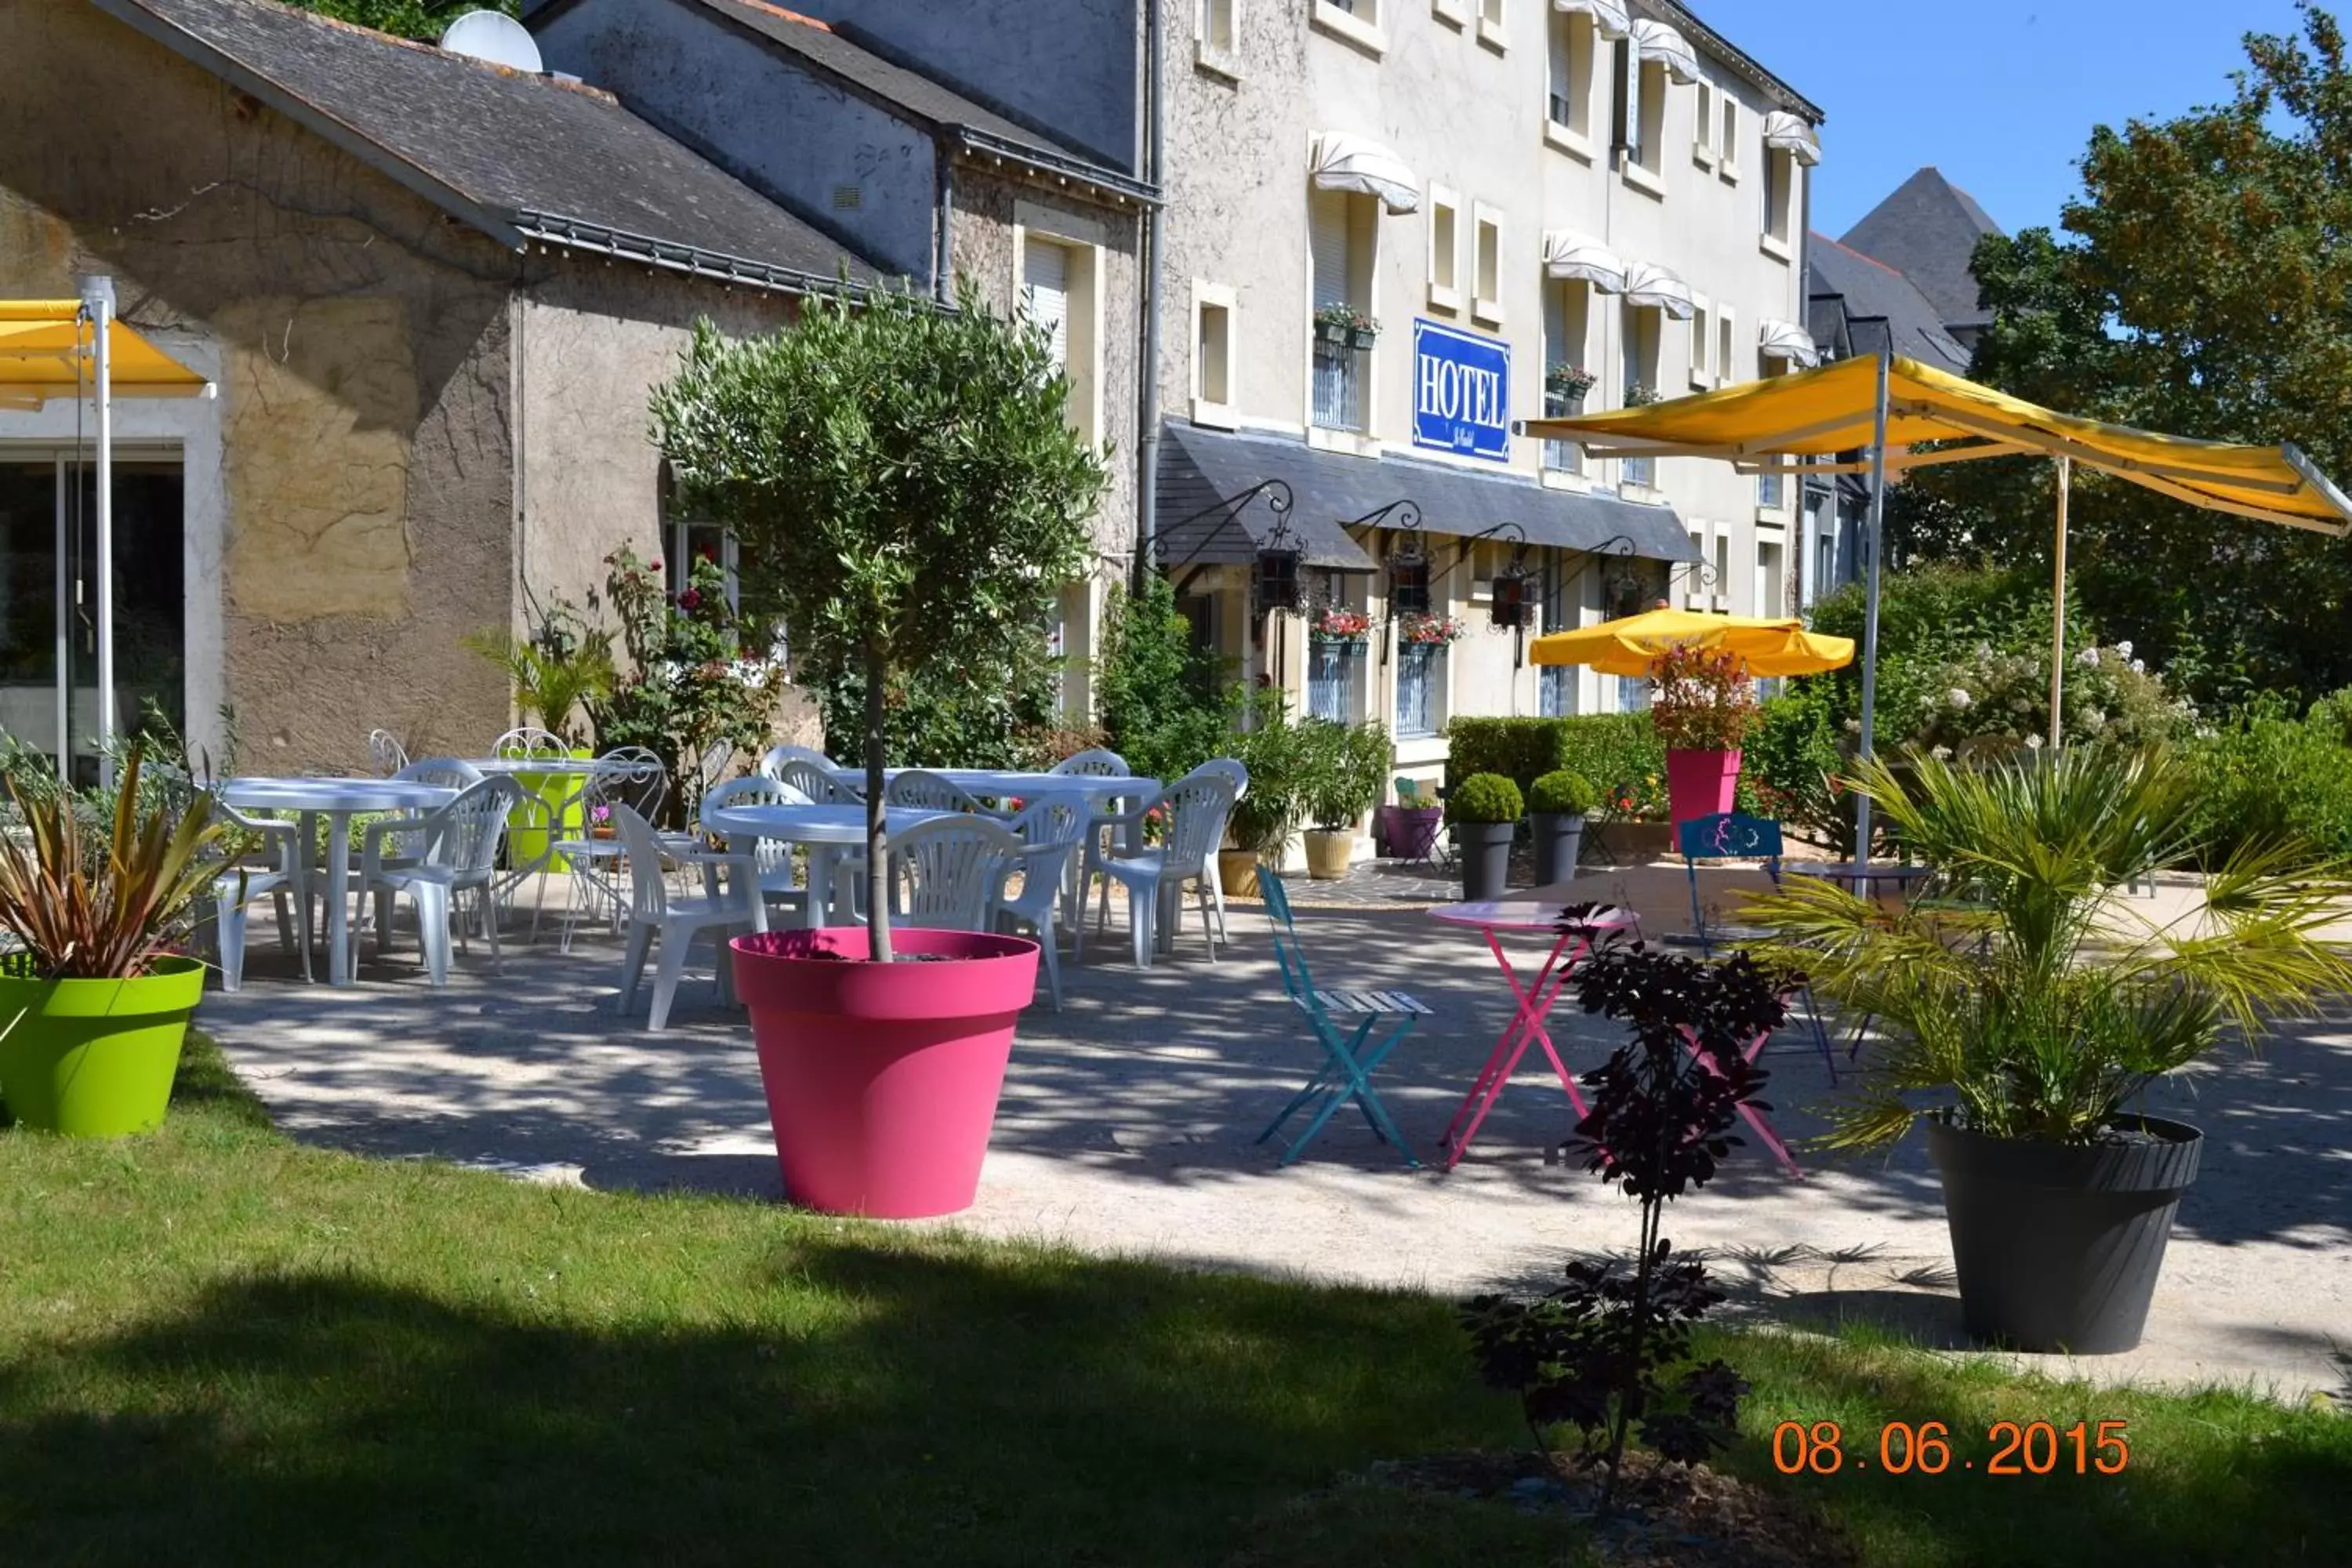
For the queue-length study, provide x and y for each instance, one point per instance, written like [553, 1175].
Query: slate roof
[515, 154]
[1858, 304]
[1927, 229]
[1199, 467]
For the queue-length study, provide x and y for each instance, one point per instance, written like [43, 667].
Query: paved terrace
[1128, 1123]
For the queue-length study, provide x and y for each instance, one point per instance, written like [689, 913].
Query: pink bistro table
[1527, 1026]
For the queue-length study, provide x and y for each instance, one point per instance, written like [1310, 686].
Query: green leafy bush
[1562, 793]
[1485, 797]
[1346, 766]
[1167, 704]
[1281, 756]
[2268, 775]
[1788, 766]
[1620, 753]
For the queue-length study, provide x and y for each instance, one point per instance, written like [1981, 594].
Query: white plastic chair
[726, 909]
[1154, 877]
[770, 858]
[386, 755]
[1234, 771]
[813, 780]
[443, 773]
[461, 856]
[929, 792]
[777, 756]
[1052, 827]
[945, 872]
[238, 888]
[1100, 763]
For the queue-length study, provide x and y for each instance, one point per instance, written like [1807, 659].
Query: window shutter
[1046, 274]
[1326, 224]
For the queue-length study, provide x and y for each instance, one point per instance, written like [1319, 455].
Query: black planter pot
[1486, 851]
[2057, 1249]
[1560, 841]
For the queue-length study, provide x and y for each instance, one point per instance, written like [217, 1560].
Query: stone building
[433, 293]
[832, 116]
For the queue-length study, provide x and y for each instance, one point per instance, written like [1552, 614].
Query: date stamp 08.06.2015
[1925, 1448]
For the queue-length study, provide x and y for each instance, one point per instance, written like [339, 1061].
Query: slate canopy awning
[1345, 161]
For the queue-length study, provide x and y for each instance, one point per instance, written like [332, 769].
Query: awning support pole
[98, 294]
[1874, 536]
[2058, 606]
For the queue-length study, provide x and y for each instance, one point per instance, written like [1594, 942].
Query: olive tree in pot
[1558, 803]
[906, 487]
[2029, 1016]
[1348, 764]
[95, 1000]
[1483, 813]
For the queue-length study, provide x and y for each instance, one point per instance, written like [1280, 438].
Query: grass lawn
[218, 1347]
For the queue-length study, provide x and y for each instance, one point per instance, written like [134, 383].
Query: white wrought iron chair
[549, 811]
[1155, 875]
[928, 791]
[1051, 829]
[284, 880]
[777, 756]
[461, 856]
[386, 755]
[945, 871]
[632, 776]
[771, 858]
[729, 907]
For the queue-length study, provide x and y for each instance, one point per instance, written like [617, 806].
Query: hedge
[1618, 752]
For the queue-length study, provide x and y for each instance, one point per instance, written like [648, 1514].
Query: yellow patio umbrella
[53, 348]
[1629, 644]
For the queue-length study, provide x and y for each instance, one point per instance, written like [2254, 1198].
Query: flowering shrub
[700, 673]
[1434, 629]
[1565, 380]
[1701, 698]
[1988, 698]
[1338, 623]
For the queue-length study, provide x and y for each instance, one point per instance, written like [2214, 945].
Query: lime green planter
[526, 834]
[95, 1058]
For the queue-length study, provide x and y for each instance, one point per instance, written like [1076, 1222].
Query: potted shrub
[906, 487]
[95, 1002]
[1265, 820]
[1565, 387]
[2026, 1020]
[1702, 704]
[1351, 763]
[1558, 803]
[558, 673]
[1483, 812]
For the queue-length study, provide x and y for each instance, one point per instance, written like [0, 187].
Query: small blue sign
[1461, 392]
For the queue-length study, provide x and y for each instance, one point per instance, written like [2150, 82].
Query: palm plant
[2036, 1007]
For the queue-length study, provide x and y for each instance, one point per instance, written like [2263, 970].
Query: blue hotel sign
[1461, 392]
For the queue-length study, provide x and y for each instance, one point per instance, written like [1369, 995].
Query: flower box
[1363, 337]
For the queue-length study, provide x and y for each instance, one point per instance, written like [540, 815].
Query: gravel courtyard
[1129, 1120]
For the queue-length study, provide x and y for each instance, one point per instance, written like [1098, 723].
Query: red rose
[690, 599]
[653, 566]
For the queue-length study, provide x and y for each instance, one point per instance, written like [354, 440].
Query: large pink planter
[1701, 784]
[882, 1078]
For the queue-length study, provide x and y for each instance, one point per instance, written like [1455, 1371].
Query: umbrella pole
[98, 294]
[2058, 603]
[1870, 612]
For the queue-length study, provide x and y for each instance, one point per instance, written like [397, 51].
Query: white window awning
[1346, 163]
[1653, 41]
[1787, 340]
[1647, 283]
[1568, 254]
[1791, 133]
[1607, 16]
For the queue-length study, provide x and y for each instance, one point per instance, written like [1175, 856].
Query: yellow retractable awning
[1628, 645]
[46, 351]
[1821, 413]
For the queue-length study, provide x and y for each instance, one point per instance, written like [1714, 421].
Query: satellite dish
[494, 37]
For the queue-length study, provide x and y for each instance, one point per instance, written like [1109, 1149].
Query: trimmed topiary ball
[1563, 793]
[1484, 797]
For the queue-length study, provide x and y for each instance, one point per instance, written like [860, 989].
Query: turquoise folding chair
[1735, 835]
[1353, 1054]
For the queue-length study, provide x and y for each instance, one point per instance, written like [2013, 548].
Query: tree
[424, 19]
[906, 487]
[2202, 288]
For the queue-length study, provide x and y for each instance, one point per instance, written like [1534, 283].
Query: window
[1357, 21]
[1702, 343]
[1490, 24]
[1335, 677]
[1486, 305]
[1218, 27]
[1780, 199]
[1694, 571]
[1640, 116]
[1769, 584]
[1057, 293]
[1421, 684]
[1643, 331]
[1721, 587]
[1213, 356]
[1568, 324]
[1339, 235]
[1727, 150]
[1729, 370]
[1444, 249]
[1554, 690]
[1703, 126]
[1568, 101]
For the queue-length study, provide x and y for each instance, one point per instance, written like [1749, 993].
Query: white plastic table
[827, 832]
[1000, 784]
[337, 800]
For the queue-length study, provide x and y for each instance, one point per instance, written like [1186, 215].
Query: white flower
[2088, 659]
[2139, 666]
[1941, 753]
[1958, 698]
[2123, 650]
[2033, 743]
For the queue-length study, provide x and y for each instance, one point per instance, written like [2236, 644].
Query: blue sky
[1998, 94]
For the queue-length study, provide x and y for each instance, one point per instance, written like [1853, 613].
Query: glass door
[48, 602]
